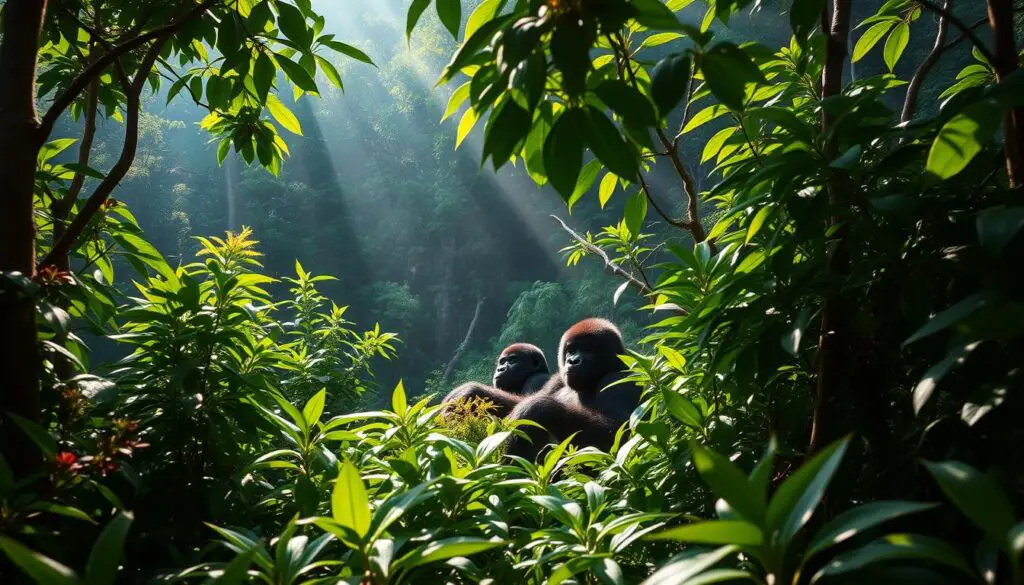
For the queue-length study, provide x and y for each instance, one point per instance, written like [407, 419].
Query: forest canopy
[247, 246]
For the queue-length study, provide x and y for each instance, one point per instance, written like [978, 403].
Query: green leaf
[609, 146]
[55, 147]
[296, 73]
[997, 226]
[585, 181]
[466, 123]
[39, 435]
[399, 404]
[728, 482]
[106, 552]
[415, 11]
[331, 72]
[870, 38]
[627, 102]
[896, 44]
[734, 532]
[607, 188]
[42, 569]
[459, 96]
[669, 82]
[794, 502]
[804, 16]
[689, 565]
[450, 13]
[962, 138]
[896, 547]
[563, 151]
[704, 116]
[349, 51]
[929, 382]
[283, 115]
[484, 12]
[314, 408]
[635, 212]
[977, 496]
[263, 73]
[293, 24]
[654, 14]
[446, 548]
[727, 69]
[855, 521]
[659, 39]
[350, 505]
[757, 222]
[236, 571]
[682, 409]
[715, 143]
[506, 129]
[570, 52]
[950, 317]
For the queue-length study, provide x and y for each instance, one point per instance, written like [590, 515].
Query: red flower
[66, 460]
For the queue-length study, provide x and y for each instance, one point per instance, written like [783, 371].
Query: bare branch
[963, 28]
[610, 266]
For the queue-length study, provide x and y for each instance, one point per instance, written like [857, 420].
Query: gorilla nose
[573, 360]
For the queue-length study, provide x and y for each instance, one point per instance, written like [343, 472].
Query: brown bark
[63, 247]
[914, 89]
[1000, 18]
[19, 357]
[833, 383]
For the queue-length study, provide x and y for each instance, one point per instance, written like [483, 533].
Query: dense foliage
[827, 322]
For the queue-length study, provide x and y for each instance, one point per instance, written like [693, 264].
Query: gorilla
[521, 370]
[572, 401]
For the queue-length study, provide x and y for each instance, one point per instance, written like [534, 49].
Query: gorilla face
[513, 369]
[587, 358]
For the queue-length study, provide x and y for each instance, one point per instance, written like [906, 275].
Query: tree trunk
[914, 89]
[1000, 18]
[834, 346]
[19, 148]
[461, 349]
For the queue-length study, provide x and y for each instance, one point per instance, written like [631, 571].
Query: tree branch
[963, 28]
[910, 103]
[692, 223]
[69, 240]
[83, 79]
[610, 266]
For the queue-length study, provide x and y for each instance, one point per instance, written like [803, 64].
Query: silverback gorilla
[521, 370]
[572, 400]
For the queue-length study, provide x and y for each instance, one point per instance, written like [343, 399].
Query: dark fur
[572, 401]
[520, 370]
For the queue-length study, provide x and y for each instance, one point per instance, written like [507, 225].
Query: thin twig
[959, 24]
[609, 265]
